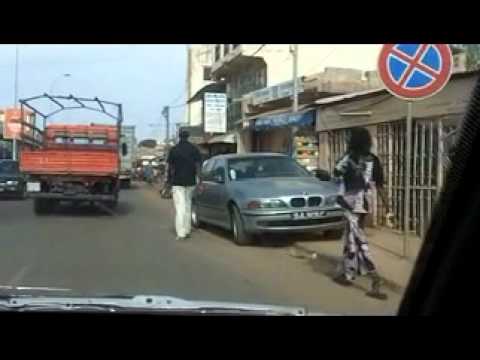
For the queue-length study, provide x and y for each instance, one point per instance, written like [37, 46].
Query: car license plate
[33, 186]
[308, 215]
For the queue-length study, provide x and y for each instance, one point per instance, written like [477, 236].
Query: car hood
[275, 187]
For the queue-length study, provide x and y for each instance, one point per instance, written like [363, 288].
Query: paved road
[135, 252]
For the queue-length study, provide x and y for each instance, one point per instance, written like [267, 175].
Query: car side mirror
[219, 179]
[322, 175]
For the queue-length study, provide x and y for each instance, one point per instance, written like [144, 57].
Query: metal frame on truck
[27, 103]
[34, 138]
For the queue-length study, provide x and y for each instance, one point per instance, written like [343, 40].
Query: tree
[473, 54]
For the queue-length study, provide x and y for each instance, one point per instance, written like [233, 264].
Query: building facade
[258, 79]
[199, 64]
[7, 148]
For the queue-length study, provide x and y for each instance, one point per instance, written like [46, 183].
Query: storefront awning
[217, 87]
[305, 118]
[223, 139]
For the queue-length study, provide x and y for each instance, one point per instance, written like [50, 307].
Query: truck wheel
[42, 206]
[240, 236]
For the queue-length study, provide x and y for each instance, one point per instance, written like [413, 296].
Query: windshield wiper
[141, 303]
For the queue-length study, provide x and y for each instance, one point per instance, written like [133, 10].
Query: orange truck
[71, 162]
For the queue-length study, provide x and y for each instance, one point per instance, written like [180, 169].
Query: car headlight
[12, 182]
[266, 204]
[331, 200]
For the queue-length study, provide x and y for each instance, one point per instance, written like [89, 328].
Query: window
[217, 52]
[8, 167]
[124, 149]
[207, 73]
[207, 169]
[99, 141]
[226, 49]
[81, 141]
[260, 167]
[234, 46]
[60, 140]
[218, 172]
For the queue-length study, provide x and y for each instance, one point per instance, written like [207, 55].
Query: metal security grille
[428, 170]
[431, 141]
[425, 177]
[390, 151]
[337, 146]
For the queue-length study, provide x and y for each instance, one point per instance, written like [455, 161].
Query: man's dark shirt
[182, 161]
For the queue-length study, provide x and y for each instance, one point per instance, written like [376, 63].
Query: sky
[144, 78]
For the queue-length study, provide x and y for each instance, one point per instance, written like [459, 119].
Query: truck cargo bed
[98, 162]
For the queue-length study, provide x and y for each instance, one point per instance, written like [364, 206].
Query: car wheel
[42, 206]
[334, 234]
[23, 193]
[240, 236]
[195, 220]
[125, 184]
[112, 204]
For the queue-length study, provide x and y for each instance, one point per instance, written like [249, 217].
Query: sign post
[413, 72]
[408, 176]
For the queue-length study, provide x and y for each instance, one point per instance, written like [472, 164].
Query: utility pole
[15, 101]
[16, 76]
[189, 82]
[294, 50]
[166, 115]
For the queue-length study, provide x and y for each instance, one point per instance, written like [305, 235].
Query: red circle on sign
[397, 88]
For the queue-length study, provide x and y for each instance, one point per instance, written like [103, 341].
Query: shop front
[222, 144]
[435, 121]
[288, 133]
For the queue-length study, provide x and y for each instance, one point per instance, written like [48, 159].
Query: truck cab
[127, 155]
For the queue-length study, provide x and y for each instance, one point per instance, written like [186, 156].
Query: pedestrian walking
[358, 173]
[184, 162]
[148, 174]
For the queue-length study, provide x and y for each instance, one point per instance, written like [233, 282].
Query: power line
[321, 61]
[177, 98]
[177, 106]
[228, 105]
[260, 48]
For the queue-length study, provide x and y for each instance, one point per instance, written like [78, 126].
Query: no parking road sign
[415, 71]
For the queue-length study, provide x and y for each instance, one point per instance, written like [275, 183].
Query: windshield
[282, 174]
[8, 167]
[261, 167]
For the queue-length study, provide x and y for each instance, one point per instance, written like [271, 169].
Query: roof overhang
[217, 87]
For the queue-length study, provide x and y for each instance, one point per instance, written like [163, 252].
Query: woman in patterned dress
[358, 172]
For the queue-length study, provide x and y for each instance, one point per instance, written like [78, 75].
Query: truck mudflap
[81, 197]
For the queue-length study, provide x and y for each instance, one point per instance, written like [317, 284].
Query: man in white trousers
[184, 162]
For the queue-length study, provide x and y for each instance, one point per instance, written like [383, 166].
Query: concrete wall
[244, 141]
[198, 56]
[313, 58]
[195, 115]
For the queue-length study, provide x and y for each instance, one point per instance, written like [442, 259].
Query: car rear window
[8, 167]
